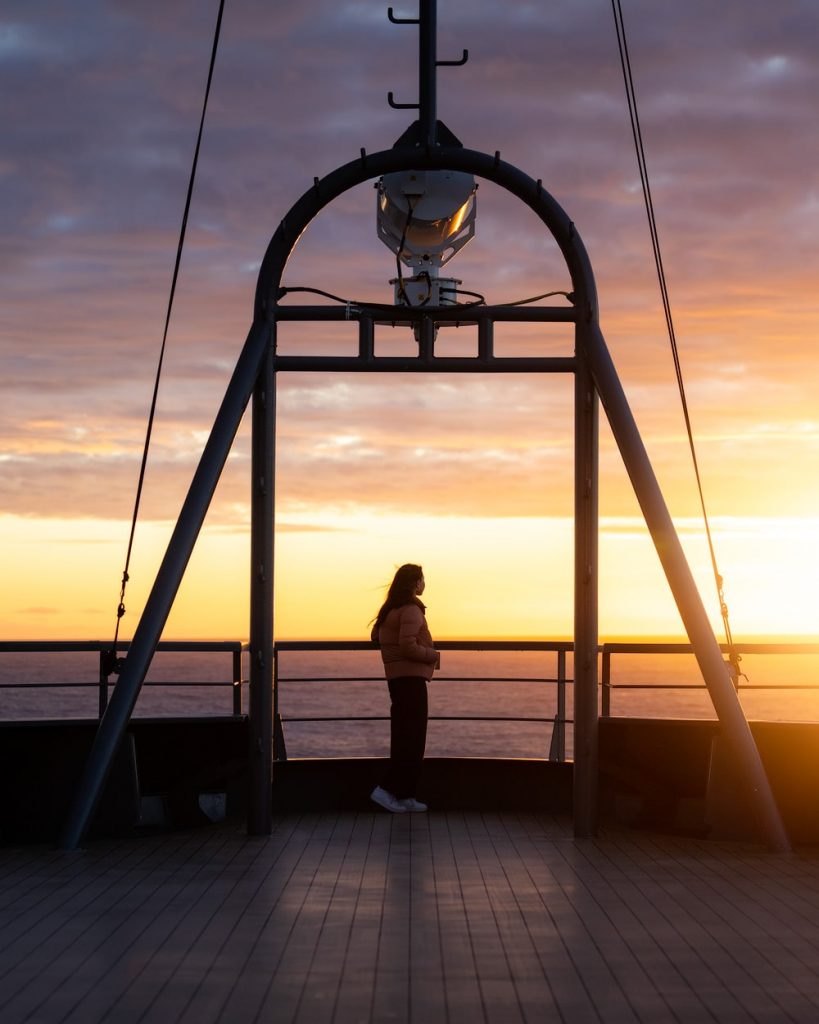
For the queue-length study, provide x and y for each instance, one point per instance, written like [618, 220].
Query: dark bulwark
[167, 764]
[668, 776]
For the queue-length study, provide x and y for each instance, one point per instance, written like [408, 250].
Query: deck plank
[418, 919]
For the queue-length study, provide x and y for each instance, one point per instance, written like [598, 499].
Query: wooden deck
[418, 918]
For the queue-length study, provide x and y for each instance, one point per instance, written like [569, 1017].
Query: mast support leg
[585, 596]
[695, 619]
[115, 720]
[260, 760]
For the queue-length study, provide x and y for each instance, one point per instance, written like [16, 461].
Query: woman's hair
[401, 592]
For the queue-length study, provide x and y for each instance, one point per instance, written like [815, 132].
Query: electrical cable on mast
[111, 663]
[733, 656]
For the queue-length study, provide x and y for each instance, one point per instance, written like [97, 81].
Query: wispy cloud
[99, 108]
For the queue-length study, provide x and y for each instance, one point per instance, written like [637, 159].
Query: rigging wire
[111, 663]
[631, 97]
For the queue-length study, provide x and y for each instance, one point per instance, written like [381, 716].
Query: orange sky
[469, 476]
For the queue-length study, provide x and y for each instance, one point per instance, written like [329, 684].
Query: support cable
[110, 661]
[391, 307]
[625, 63]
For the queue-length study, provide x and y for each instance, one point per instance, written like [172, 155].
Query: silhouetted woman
[410, 659]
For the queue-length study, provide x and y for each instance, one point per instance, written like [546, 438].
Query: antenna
[425, 216]
[427, 22]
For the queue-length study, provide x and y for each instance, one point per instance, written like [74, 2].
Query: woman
[409, 658]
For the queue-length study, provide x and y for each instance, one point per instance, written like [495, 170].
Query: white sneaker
[387, 801]
[411, 804]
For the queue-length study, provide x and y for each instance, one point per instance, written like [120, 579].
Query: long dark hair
[401, 592]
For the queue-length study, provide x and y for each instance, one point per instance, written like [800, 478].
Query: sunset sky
[472, 477]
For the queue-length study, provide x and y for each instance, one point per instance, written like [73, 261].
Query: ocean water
[780, 688]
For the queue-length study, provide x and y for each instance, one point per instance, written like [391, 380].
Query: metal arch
[595, 374]
[367, 167]
[532, 194]
[254, 374]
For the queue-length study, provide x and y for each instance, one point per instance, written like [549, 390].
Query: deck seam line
[92, 923]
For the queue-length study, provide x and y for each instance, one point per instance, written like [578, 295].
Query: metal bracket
[401, 106]
[402, 21]
[453, 63]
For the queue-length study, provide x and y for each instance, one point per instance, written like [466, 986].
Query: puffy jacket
[406, 643]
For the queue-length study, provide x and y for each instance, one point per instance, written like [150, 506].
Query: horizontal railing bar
[69, 646]
[49, 686]
[442, 645]
[431, 718]
[777, 686]
[66, 646]
[657, 686]
[681, 648]
[701, 686]
[444, 679]
[435, 679]
[95, 685]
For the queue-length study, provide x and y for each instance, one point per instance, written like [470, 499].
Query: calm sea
[498, 694]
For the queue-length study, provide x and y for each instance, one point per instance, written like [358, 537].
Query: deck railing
[560, 679]
[558, 722]
[608, 650]
[233, 647]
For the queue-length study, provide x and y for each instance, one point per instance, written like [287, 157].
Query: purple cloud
[99, 103]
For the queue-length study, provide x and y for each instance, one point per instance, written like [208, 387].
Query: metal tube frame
[262, 533]
[595, 374]
[585, 593]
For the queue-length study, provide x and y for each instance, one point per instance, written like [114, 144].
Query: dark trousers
[408, 734]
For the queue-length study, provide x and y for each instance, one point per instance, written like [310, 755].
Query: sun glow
[487, 577]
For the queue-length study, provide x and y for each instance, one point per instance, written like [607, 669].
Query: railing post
[560, 717]
[606, 683]
[103, 686]
[279, 746]
[237, 682]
